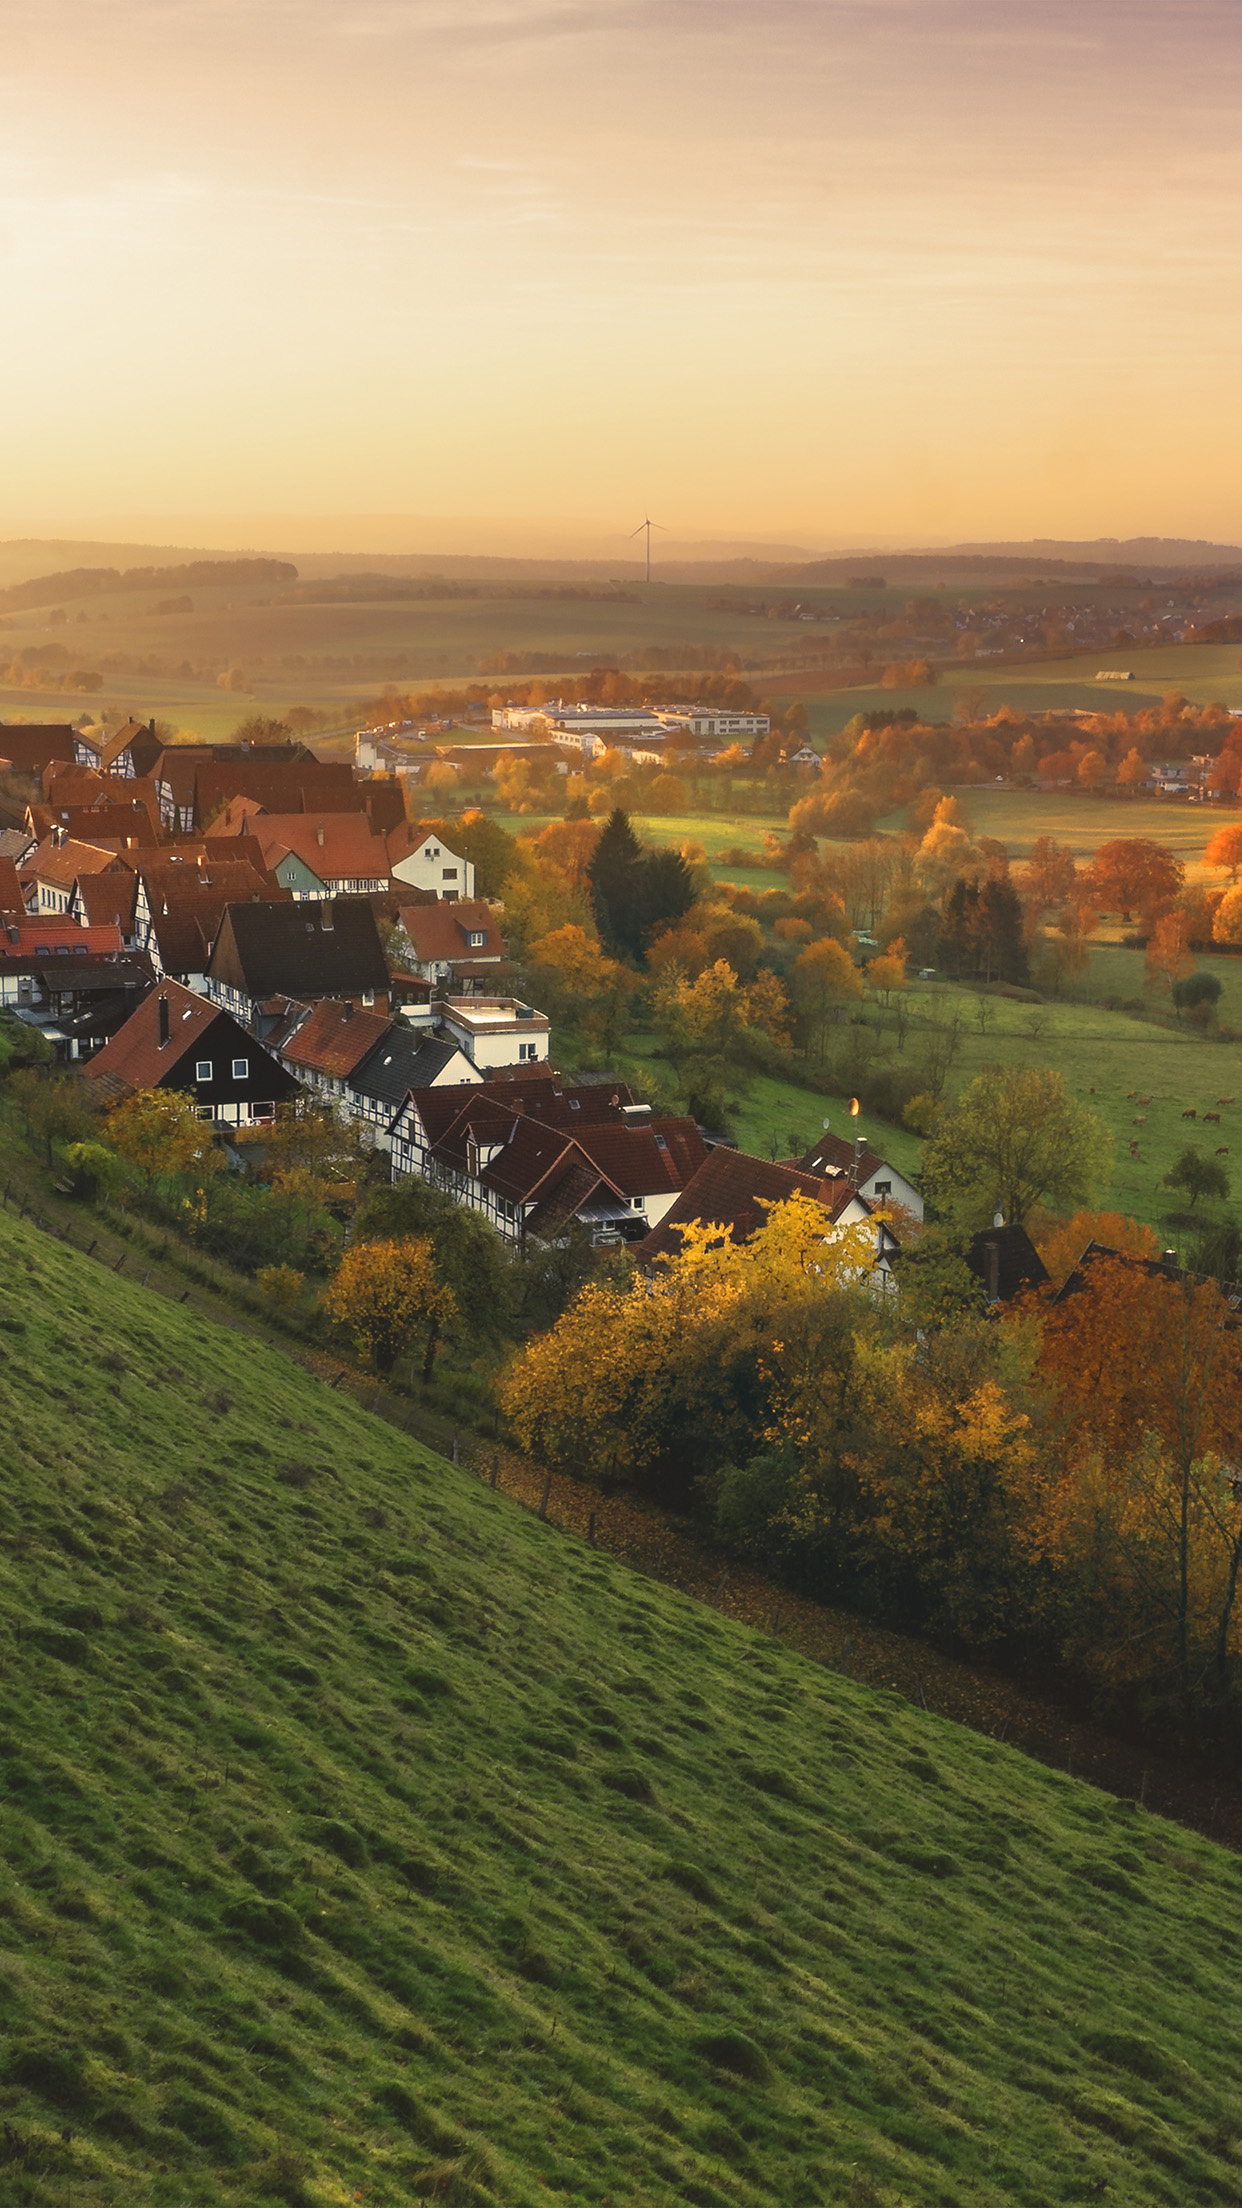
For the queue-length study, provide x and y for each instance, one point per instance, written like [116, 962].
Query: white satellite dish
[825, 1124]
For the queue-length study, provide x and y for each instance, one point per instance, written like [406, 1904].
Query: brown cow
[1225, 1100]
[1223, 1151]
[1211, 1119]
[1190, 1113]
[1139, 1120]
[1144, 1100]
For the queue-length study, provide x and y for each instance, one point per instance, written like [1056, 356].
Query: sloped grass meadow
[366, 1839]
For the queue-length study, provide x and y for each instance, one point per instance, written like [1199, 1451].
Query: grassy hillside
[365, 1839]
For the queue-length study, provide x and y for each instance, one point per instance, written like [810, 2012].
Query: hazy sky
[834, 269]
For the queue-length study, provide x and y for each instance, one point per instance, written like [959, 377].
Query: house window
[368, 996]
[241, 1069]
[476, 939]
[449, 873]
[884, 1188]
[202, 1069]
[205, 1111]
[525, 1051]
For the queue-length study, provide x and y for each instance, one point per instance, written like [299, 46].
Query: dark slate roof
[401, 1062]
[328, 948]
[1006, 1260]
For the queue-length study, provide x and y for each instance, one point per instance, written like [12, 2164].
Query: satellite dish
[825, 1124]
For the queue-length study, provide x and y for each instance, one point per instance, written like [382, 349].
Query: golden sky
[833, 270]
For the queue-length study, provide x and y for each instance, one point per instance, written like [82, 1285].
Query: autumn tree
[1062, 1243]
[1132, 772]
[1014, 1139]
[158, 1131]
[1134, 874]
[385, 1293]
[823, 981]
[1227, 925]
[1048, 878]
[1141, 1509]
[720, 1017]
[1225, 849]
[1169, 957]
[54, 1107]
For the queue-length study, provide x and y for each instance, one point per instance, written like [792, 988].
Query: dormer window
[476, 939]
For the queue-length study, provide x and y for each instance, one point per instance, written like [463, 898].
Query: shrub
[280, 1285]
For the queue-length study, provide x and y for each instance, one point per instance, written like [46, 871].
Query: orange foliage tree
[1133, 874]
[1141, 1507]
[1225, 849]
[1063, 1243]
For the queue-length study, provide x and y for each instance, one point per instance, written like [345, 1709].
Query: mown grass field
[1204, 672]
[1103, 1055]
[1017, 817]
[365, 1839]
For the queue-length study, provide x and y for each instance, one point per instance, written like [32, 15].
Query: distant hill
[365, 1839]
[94, 582]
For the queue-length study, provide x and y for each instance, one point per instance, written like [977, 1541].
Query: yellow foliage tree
[385, 1293]
[159, 1131]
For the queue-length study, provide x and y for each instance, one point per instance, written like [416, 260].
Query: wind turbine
[648, 525]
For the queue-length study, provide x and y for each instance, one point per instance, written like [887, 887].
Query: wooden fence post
[543, 1500]
[591, 1531]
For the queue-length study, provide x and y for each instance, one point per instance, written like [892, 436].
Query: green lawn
[1104, 1055]
[1016, 817]
[366, 1840]
[1204, 672]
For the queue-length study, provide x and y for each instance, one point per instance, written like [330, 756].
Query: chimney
[860, 1147]
[993, 1253]
[163, 1012]
[319, 835]
[326, 921]
[347, 1011]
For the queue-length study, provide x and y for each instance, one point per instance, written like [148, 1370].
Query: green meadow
[366, 1839]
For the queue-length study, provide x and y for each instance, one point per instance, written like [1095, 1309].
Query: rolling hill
[365, 1839]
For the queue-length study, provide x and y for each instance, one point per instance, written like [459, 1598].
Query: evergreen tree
[613, 873]
[1001, 952]
[666, 892]
[959, 927]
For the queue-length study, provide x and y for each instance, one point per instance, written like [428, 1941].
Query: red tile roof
[442, 931]
[112, 897]
[135, 1057]
[63, 864]
[335, 846]
[11, 898]
[334, 1039]
[731, 1190]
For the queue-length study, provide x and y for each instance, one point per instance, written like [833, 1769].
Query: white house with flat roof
[494, 1031]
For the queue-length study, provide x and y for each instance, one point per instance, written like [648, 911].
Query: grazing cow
[1223, 1151]
[1144, 1100]
[1189, 1113]
[1131, 1095]
[1139, 1120]
[1225, 1100]
[1211, 1119]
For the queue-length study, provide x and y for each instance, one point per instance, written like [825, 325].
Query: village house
[76, 1000]
[317, 855]
[421, 859]
[27, 747]
[494, 1031]
[834, 1158]
[459, 943]
[735, 1192]
[177, 1040]
[535, 1157]
[52, 871]
[266, 953]
[363, 1067]
[130, 750]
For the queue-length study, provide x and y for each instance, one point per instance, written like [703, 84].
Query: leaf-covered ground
[365, 1838]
